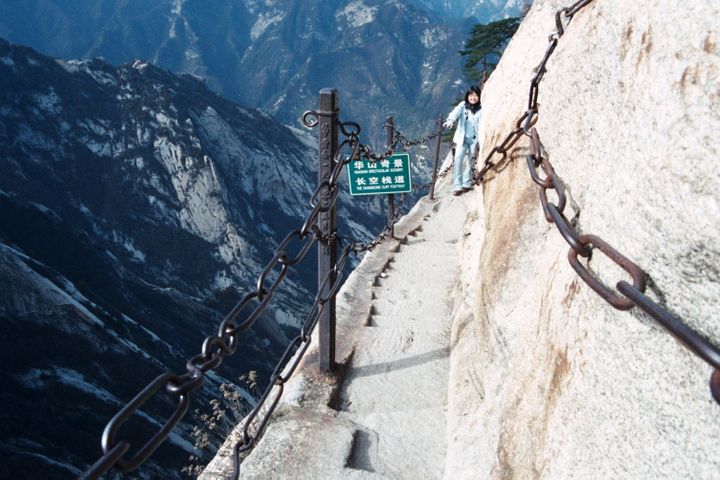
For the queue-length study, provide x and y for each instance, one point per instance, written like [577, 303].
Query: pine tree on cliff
[485, 46]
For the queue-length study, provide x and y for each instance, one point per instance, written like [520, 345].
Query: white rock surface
[562, 385]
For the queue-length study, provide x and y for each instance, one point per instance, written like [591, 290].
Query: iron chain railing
[290, 251]
[259, 417]
[406, 143]
[398, 140]
[584, 245]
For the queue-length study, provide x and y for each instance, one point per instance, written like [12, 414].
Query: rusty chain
[258, 418]
[359, 247]
[398, 140]
[216, 347]
[584, 245]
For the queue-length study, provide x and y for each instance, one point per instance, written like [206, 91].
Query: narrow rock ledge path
[384, 415]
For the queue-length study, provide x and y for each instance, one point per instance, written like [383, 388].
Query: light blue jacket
[462, 116]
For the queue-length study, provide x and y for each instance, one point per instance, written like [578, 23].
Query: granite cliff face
[561, 384]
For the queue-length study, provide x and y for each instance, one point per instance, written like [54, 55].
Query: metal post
[431, 195]
[390, 127]
[327, 222]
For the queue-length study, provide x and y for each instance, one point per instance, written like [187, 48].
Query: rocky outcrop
[548, 379]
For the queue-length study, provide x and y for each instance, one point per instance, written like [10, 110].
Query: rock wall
[548, 380]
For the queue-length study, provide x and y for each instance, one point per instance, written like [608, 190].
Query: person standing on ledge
[467, 113]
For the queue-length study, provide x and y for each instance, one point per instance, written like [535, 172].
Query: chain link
[359, 247]
[258, 419]
[398, 140]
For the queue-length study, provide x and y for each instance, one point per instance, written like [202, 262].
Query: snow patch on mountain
[175, 11]
[432, 37]
[165, 121]
[24, 448]
[140, 65]
[70, 288]
[49, 102]
[46, 210]
[128, 245]
[85, 67]
[43, 287]
[142, 134]
[37, 378]
[222, 281]
[150, 334]
[99, 149]
[96, 126]
[286, 318]
[356, 14]
[264, 21]
[70, 66]
[192, 53]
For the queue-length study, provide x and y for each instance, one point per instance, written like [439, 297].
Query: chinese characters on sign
[369, 177]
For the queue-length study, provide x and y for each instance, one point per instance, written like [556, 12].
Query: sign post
[390, 126]
[437, 158]
[327, 223]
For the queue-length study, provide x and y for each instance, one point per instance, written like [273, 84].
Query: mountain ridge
[137, 208]
[390, 57]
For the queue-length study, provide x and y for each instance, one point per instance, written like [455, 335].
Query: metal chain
[359, 247]
[366, 247]
[584, 245]
[398, 140]
[216, 347]
[259, 417]
[352, 131]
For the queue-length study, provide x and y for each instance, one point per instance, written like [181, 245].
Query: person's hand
[448, 124]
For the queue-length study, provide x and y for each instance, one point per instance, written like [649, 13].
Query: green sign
[369, 177]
